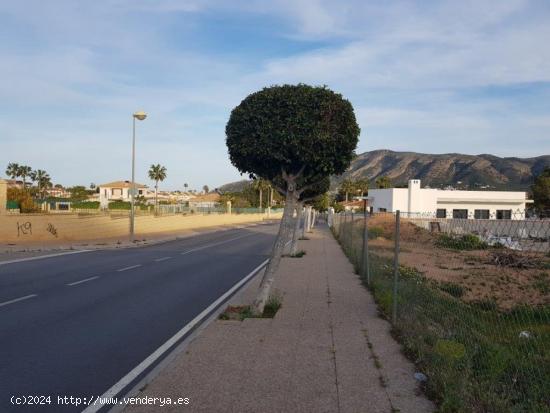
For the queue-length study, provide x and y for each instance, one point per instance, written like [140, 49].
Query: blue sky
[426, 76]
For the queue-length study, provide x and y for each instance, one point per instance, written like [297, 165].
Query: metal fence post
[343, 230]
[351, 236]
[395, 268]
[365, 249]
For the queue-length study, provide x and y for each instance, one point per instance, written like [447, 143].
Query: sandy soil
[474, 270]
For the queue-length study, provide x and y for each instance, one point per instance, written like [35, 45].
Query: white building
[449, 204]
[119, 191]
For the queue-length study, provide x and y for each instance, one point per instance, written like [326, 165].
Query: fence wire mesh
[468, 299]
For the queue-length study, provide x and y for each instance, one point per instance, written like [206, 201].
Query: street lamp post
[140, 115]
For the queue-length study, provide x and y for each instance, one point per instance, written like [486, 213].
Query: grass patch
[452, 288]
[274, 303]
[299, 254]
[476, 358]
[375, 232]
[240, 312]
[465, 242]
[542, 283]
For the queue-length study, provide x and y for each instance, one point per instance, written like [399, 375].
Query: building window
[481, 214]
[441, 213]
[460, 213]
[382, 209]
[504, 214]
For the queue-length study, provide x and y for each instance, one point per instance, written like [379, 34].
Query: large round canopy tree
[296, 135]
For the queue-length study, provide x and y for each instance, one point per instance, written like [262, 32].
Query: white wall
[417, 200]
[381, 198]
[518, 209]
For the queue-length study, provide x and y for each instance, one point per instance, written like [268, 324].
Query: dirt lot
[483, 274]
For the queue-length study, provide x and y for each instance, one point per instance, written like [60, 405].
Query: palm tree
[92, 186]
[346, 187]
[24, 171]
[206, 189]
[42, 179]
[185, 186]
[13, 170]
[383, 182]
[362, 185]
[157, 173]
[260, 184]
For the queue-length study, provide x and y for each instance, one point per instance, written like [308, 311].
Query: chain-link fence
[469, 299]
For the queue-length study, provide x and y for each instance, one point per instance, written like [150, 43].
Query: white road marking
[43, 256]
[17, 299]
[213, 245]
[83, 281]
[162, 259]
[131, 267]
[141, 367]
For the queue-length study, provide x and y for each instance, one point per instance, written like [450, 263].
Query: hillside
[237, 186]
[473, 171]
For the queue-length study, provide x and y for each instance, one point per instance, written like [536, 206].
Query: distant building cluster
[120, 191]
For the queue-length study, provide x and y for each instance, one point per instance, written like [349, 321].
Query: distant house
[13, 183]
[354, 205]
[449, 204]
[119, 191]
[58, 192]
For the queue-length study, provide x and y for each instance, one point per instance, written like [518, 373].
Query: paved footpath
[326, 350]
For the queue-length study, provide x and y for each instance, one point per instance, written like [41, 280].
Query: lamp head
[140, 115]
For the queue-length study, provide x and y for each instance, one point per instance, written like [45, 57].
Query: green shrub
[119, 205]
[123, 205]
[375, 232]
[461, 242]
[449, 349]
[453, 289]
[273, 304]
[86, 205]
[486, 304]
[542, 283]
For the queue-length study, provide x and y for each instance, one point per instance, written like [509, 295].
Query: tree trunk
[295, 234]
[304, 227]
[276, 253]
[156, 198]
[261, 196]
[346, 196]
[309, 217]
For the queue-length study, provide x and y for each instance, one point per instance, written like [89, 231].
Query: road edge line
[39, 257]
[119, 386]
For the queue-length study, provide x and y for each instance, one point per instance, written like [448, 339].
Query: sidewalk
[326, 350]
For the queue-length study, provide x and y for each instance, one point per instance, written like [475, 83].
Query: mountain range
[439, 170]
[458, 170]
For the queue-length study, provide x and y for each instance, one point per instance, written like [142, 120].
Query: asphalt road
[74, 325]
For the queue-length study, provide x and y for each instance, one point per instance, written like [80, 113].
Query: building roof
[121, 184]
[12, 182]
[353, 203]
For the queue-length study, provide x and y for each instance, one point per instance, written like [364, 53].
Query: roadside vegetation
[477, 327]
[273, 304]
[461, 242]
